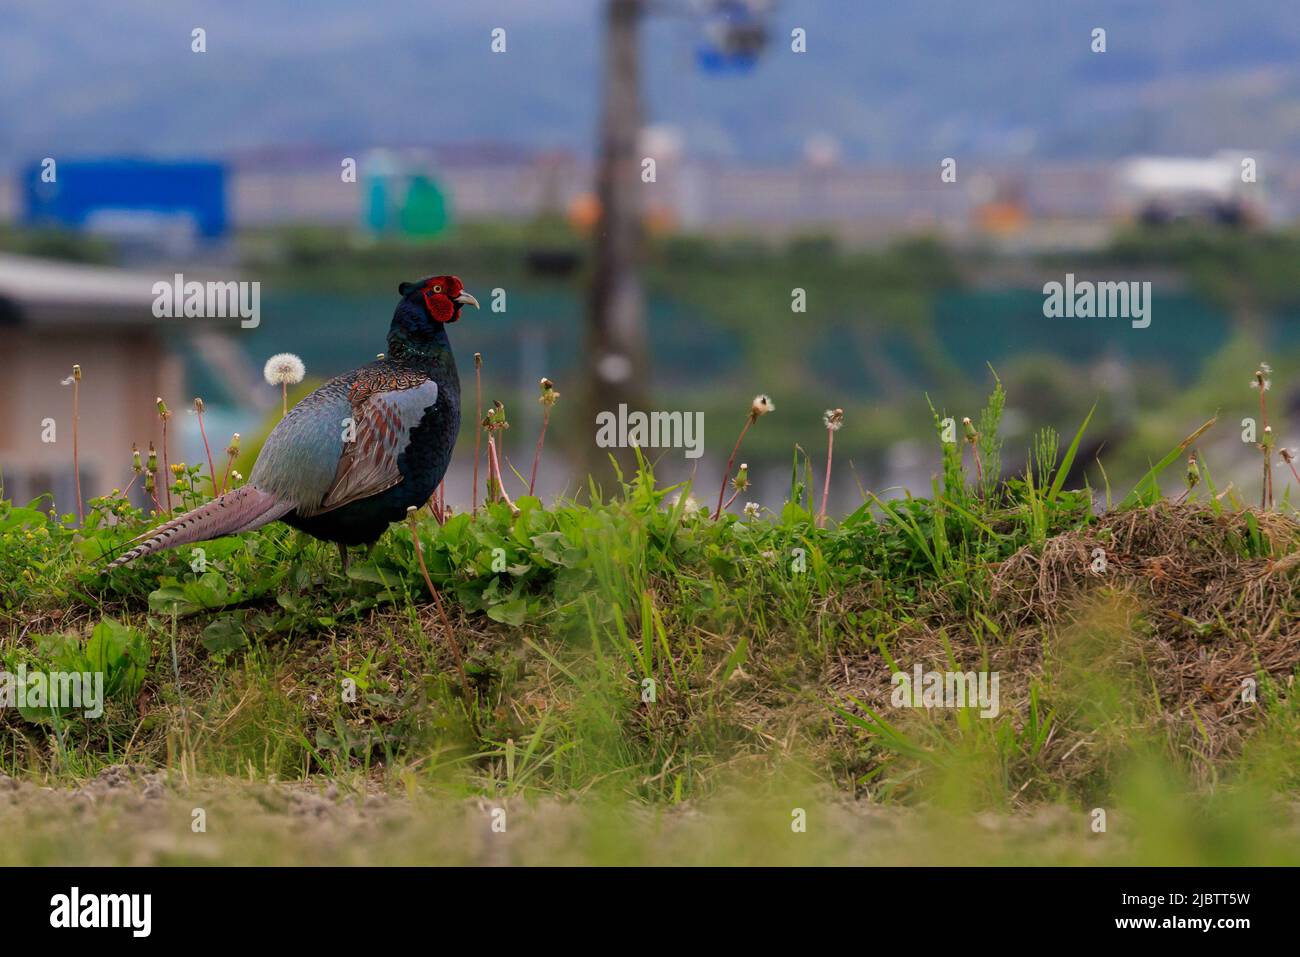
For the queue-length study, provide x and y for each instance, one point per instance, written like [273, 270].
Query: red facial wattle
[439, 304]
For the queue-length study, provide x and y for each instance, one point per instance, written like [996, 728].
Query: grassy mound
[629, 646]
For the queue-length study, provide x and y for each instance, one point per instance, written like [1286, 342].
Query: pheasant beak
[465, 299]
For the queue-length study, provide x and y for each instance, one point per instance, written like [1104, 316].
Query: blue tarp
[82, 188]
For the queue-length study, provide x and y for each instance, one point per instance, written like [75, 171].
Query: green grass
[630, 654]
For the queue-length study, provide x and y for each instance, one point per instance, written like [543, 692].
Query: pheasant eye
[437, 289]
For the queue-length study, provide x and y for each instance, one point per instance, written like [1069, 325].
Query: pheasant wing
[385, 409]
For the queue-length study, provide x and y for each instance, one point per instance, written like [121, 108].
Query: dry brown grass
[1159, 644]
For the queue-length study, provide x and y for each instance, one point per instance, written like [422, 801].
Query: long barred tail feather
[239, 510]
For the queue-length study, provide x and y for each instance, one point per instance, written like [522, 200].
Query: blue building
[77, 194]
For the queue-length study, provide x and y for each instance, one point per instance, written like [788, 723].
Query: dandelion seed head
[284, 368]
[761, 405]
[833, 419]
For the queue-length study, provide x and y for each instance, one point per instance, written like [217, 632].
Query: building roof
[49, 291]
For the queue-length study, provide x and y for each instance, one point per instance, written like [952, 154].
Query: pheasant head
[441, 297]
[427, 306]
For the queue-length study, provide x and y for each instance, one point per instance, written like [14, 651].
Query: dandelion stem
[722, 490]
[501, 455]
[76, 461]
[826, 485]
[167, 488]
[494, 469]
[1291, 466]
[212, 469]
[537, 455]
[1266, 495]
[478, 427]
[1263, 503]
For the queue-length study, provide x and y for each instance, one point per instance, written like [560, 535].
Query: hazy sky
[1003, 78]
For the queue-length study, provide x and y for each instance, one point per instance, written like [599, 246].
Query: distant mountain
[894, 82]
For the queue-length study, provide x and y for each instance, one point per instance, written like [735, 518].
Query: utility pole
[615, 333]
[616, 340]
